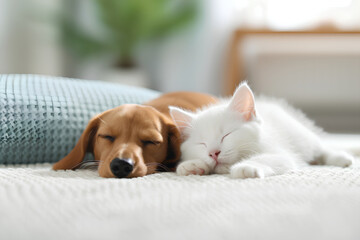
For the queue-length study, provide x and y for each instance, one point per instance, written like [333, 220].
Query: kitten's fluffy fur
[250, 140]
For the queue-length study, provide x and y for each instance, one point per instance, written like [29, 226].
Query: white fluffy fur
[262, 139]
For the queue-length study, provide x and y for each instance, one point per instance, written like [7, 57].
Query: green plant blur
[126, 24]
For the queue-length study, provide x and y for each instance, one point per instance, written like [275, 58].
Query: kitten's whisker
[244, 152]
[186, 127]
[182, 121]
[158, 165]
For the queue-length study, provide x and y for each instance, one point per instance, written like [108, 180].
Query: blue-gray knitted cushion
[41, 118]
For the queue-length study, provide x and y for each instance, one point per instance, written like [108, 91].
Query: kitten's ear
[181, 118]
[243, 102]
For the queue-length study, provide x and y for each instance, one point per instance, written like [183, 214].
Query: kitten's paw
[195, 167]
[222, 169]
[339, 159]
[246, 170]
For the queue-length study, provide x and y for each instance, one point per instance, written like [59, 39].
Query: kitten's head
[222, 133]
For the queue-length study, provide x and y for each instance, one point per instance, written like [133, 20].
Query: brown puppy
[133, 140]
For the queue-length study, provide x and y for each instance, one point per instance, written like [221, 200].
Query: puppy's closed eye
[150, 142]
[107, 137]
[151, 138]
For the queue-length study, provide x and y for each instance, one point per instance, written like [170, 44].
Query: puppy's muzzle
[121, 167]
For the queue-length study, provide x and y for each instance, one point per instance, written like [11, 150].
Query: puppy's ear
[84, 145]
[173, 150]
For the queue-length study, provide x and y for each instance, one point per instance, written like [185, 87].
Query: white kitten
[247, 141]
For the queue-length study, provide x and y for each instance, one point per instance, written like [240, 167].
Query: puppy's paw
[339, 159]
[194, 167]
[250, 170]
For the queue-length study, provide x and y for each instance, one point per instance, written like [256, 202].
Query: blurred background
[307, 51]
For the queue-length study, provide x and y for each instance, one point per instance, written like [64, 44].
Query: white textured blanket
[314, 203]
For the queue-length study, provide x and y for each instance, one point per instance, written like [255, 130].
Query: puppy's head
[129, 141]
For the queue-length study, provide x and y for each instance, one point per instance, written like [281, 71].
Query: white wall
[319, 74]
[191, 60]
[27, 43]
[195, 60]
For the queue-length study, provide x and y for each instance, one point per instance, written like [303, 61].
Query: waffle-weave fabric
[41, 117]
[314, 203]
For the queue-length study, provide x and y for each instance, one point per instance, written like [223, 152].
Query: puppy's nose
[121, 167]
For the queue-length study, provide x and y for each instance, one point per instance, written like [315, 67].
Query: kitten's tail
[354, 151]
[349, 143]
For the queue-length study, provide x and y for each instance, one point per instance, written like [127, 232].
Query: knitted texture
[314, 203]
[41, 118]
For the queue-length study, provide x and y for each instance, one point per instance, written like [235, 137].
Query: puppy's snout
[121, 167]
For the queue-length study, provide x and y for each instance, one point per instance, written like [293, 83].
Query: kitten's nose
[214, 154]
[121, 167]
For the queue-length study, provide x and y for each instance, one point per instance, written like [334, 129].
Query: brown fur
[132, 125]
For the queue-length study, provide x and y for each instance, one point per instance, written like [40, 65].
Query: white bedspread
[314, 203]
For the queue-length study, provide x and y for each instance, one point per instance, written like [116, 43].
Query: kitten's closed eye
[222, 139]
[203, 144]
